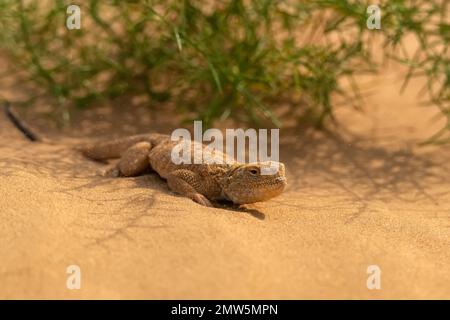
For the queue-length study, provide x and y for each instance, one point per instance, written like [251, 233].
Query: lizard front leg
[133, 161]
[187, 183]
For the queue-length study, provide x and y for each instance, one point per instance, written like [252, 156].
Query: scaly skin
[233, 181]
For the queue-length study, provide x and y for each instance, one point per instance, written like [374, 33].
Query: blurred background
[254, 62]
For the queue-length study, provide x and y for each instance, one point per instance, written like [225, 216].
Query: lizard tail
[30, 135]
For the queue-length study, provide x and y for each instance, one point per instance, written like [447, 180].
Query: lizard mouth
[279, 182]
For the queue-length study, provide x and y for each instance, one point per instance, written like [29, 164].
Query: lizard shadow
[230, 206]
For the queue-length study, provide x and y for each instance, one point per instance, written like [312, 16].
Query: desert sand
[371, 196]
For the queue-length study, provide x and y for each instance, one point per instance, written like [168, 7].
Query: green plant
[220, 59]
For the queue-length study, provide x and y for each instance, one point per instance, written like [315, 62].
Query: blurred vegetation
[228, 58]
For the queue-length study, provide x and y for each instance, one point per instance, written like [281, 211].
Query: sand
[369, 197]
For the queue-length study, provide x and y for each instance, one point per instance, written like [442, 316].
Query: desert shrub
[223, 59]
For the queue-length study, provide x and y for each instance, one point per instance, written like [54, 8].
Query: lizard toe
[111, 172]
[201, 199]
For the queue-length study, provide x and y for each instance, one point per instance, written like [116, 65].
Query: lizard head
[254, 182]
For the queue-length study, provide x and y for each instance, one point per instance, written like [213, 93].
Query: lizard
[203, 182]
[240, 183]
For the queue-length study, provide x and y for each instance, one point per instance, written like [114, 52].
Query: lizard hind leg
[187, 183]
[133, 161]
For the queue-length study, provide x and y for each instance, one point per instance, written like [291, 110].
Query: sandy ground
[371, 198]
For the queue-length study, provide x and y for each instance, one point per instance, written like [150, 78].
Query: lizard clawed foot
[201, 199]
[110, 172]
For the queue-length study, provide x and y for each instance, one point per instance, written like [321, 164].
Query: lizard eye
[254, 171]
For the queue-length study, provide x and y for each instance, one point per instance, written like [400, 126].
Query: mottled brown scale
[202, 182]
